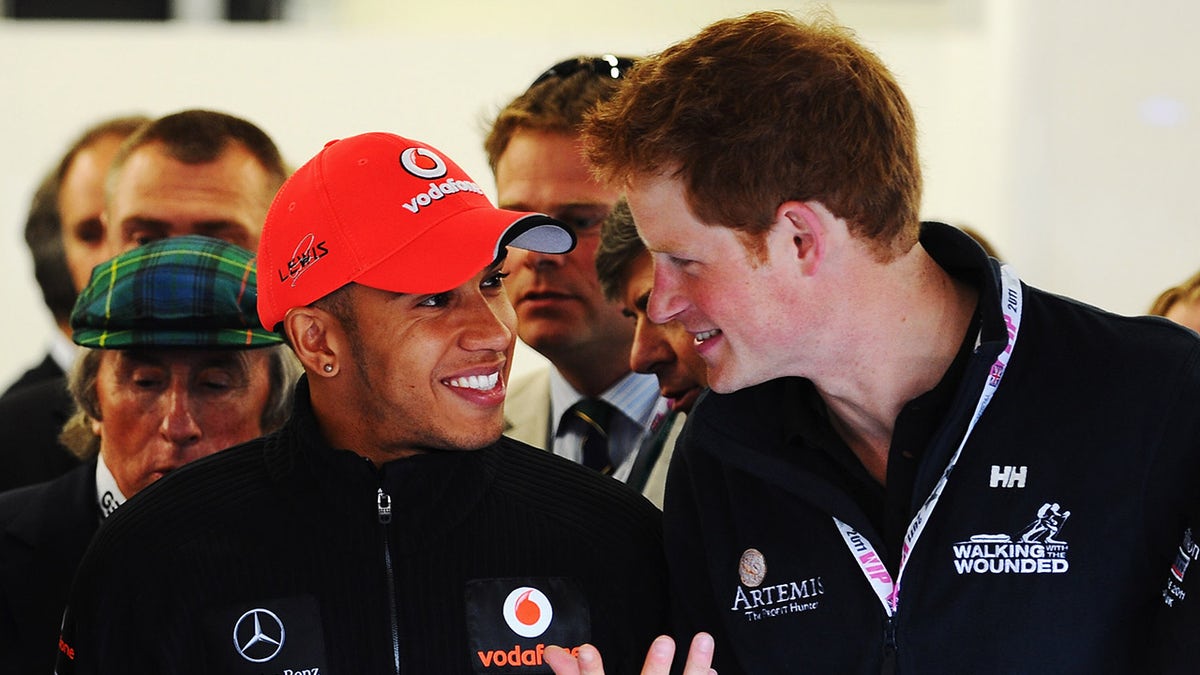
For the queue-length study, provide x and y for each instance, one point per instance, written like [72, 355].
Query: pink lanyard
[864, 553]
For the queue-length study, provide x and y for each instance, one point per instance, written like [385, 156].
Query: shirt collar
[635, 396]
[108, 494]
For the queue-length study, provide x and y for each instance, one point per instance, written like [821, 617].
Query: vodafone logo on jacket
[528, 611]
[511, 621]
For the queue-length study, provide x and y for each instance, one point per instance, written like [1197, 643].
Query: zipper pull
[384, 502]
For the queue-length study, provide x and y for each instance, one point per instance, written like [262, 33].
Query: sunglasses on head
[607, 65]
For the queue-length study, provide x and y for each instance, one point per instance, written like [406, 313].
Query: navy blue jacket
[1059, 545]
[44, 531]
[284, 554]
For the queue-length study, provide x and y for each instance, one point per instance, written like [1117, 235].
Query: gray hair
[78, 437]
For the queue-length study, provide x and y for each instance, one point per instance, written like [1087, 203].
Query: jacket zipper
[384, 504]
[889, 646]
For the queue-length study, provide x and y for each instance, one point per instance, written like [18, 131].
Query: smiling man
[388, 527]
[910, 460]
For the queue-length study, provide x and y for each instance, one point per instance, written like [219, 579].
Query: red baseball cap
[386, 212]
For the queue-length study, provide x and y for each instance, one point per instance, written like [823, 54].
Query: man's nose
[536, 260]
[485, 325]
[649, 352]
[666, 302]
[179, 425]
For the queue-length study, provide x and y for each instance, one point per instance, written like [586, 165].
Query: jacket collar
[427, 492]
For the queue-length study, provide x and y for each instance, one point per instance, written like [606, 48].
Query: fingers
[700, 656]
[562, 662]
[658, 658]
[589, 661]
[662, 651]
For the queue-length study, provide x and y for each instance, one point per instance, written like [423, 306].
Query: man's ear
[318, 339]
[808, 234]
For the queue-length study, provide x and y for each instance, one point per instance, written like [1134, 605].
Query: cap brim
[158, 338]
[537, 232]
[456, 249]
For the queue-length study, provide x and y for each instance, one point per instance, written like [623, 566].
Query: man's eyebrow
[143, 357]
[88, 221]
[218, 224]
[210, 224]
[141, 221]
[563, 207]
[497, 263]
[223, 359]
[583, 206]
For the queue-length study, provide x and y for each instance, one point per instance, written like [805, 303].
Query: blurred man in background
[66, 239]
[588, 407]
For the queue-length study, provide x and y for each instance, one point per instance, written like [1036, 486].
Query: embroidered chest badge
[1036, 549]
[1188, 552]
[275, 635]
[756, 602]
[511, 620]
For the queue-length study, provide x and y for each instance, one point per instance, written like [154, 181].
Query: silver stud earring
[329, 367]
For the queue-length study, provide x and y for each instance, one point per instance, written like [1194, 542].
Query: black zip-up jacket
[285, 556]
[1059, 545]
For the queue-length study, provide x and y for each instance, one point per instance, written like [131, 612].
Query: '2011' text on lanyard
[863, 551]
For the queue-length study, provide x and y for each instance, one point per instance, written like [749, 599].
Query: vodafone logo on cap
[422, 163]
[528, 612]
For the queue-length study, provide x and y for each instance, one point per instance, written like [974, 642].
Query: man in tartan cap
[177, 368]
[190, 172]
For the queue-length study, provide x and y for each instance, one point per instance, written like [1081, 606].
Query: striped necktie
[651, 449]
[596, 415]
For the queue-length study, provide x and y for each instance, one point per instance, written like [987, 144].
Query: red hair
[763, 109]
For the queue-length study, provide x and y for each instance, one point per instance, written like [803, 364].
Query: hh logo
[1008, 476]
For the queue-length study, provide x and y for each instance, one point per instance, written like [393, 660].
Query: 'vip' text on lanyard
[864, 552]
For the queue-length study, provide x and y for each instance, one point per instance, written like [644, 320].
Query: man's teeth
[701, 337]
[480, 382]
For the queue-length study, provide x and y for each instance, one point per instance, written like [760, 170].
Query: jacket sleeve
[1177, 625]
[118, 618]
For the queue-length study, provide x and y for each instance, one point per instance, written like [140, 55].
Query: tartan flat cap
[188, 292]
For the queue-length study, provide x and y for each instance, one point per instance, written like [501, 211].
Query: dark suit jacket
[44, 531]
[30, 420]
[46, 370]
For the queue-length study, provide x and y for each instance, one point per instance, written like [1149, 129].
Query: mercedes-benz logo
[258, 635]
